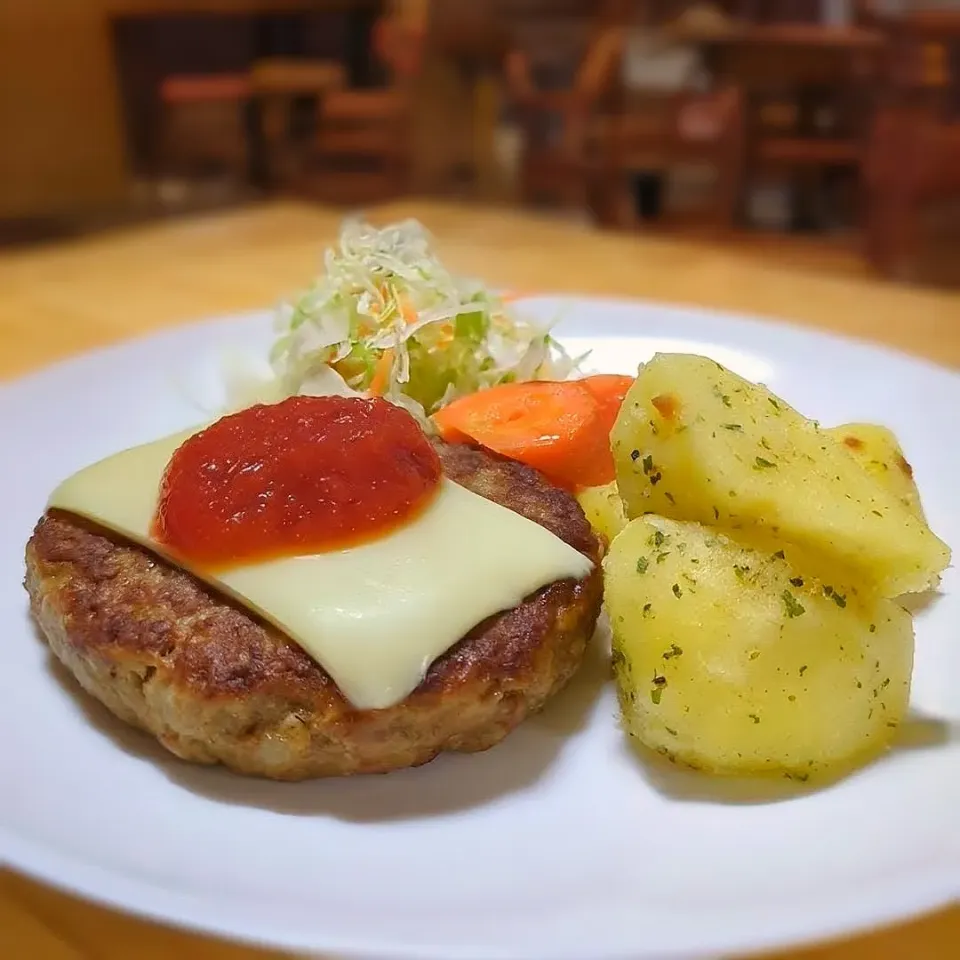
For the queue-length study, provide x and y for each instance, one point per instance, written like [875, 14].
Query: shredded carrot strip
[407, 311]
[381, 373]
[445, 337]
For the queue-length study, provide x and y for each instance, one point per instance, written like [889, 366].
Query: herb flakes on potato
[731, 660]
[878, 451]
[696, 442]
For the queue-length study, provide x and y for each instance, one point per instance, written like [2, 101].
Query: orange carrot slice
[608, 390]
[552, 426]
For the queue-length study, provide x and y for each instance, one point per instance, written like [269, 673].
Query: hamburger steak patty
[214, 684]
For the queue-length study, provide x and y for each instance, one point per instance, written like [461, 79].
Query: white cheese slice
[374, 616]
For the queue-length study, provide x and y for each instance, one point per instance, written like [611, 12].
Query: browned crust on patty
[216, 685]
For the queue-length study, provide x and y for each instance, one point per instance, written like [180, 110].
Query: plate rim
[880, 910]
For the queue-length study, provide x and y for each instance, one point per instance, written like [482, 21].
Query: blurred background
[825, 129]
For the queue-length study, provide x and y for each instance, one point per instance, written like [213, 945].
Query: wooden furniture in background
[280, 85]
[470, 137]
[204, 126]
[913, 183]
[453, 136]
[700, 133]
[61, 126]
[560, 78]
[281, 45]
[913, 179]
[362, 149]
[824, 78]
[808, 97]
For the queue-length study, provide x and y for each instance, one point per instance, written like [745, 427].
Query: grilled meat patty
[214, 684]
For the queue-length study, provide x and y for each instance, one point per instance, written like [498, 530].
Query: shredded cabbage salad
[386, 318]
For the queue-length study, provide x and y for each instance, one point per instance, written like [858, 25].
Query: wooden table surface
[58, 300]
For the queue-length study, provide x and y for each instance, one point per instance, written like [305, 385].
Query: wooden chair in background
[361, 152]
[279, 85]
[559, 78]
[913, 166]
[203, 125]
[698, 132]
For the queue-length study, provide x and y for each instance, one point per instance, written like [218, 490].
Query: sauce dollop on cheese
[303, 476]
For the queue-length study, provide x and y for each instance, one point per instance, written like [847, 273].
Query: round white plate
[559, 843]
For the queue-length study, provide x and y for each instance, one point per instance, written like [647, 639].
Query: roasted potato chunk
[604, 510]
[878, 451]
[730, 660]
[694, 441]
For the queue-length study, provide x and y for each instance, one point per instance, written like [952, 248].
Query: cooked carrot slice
[554, 427]
[608, 389]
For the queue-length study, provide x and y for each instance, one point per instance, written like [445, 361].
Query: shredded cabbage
[386, 317]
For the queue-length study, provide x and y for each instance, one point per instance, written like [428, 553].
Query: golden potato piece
[732, 661]
[878, 451]
[694, 441]
[604, 509]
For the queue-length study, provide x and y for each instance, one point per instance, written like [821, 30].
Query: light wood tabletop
[61, 299]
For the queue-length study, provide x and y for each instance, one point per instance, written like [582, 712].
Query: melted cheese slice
[374, 616]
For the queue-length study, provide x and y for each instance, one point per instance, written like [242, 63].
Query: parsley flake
[793, 607]
[721, 396]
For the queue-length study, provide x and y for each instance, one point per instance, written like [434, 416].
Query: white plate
[558, 843]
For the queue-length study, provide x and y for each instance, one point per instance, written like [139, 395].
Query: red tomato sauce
[306, 475]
